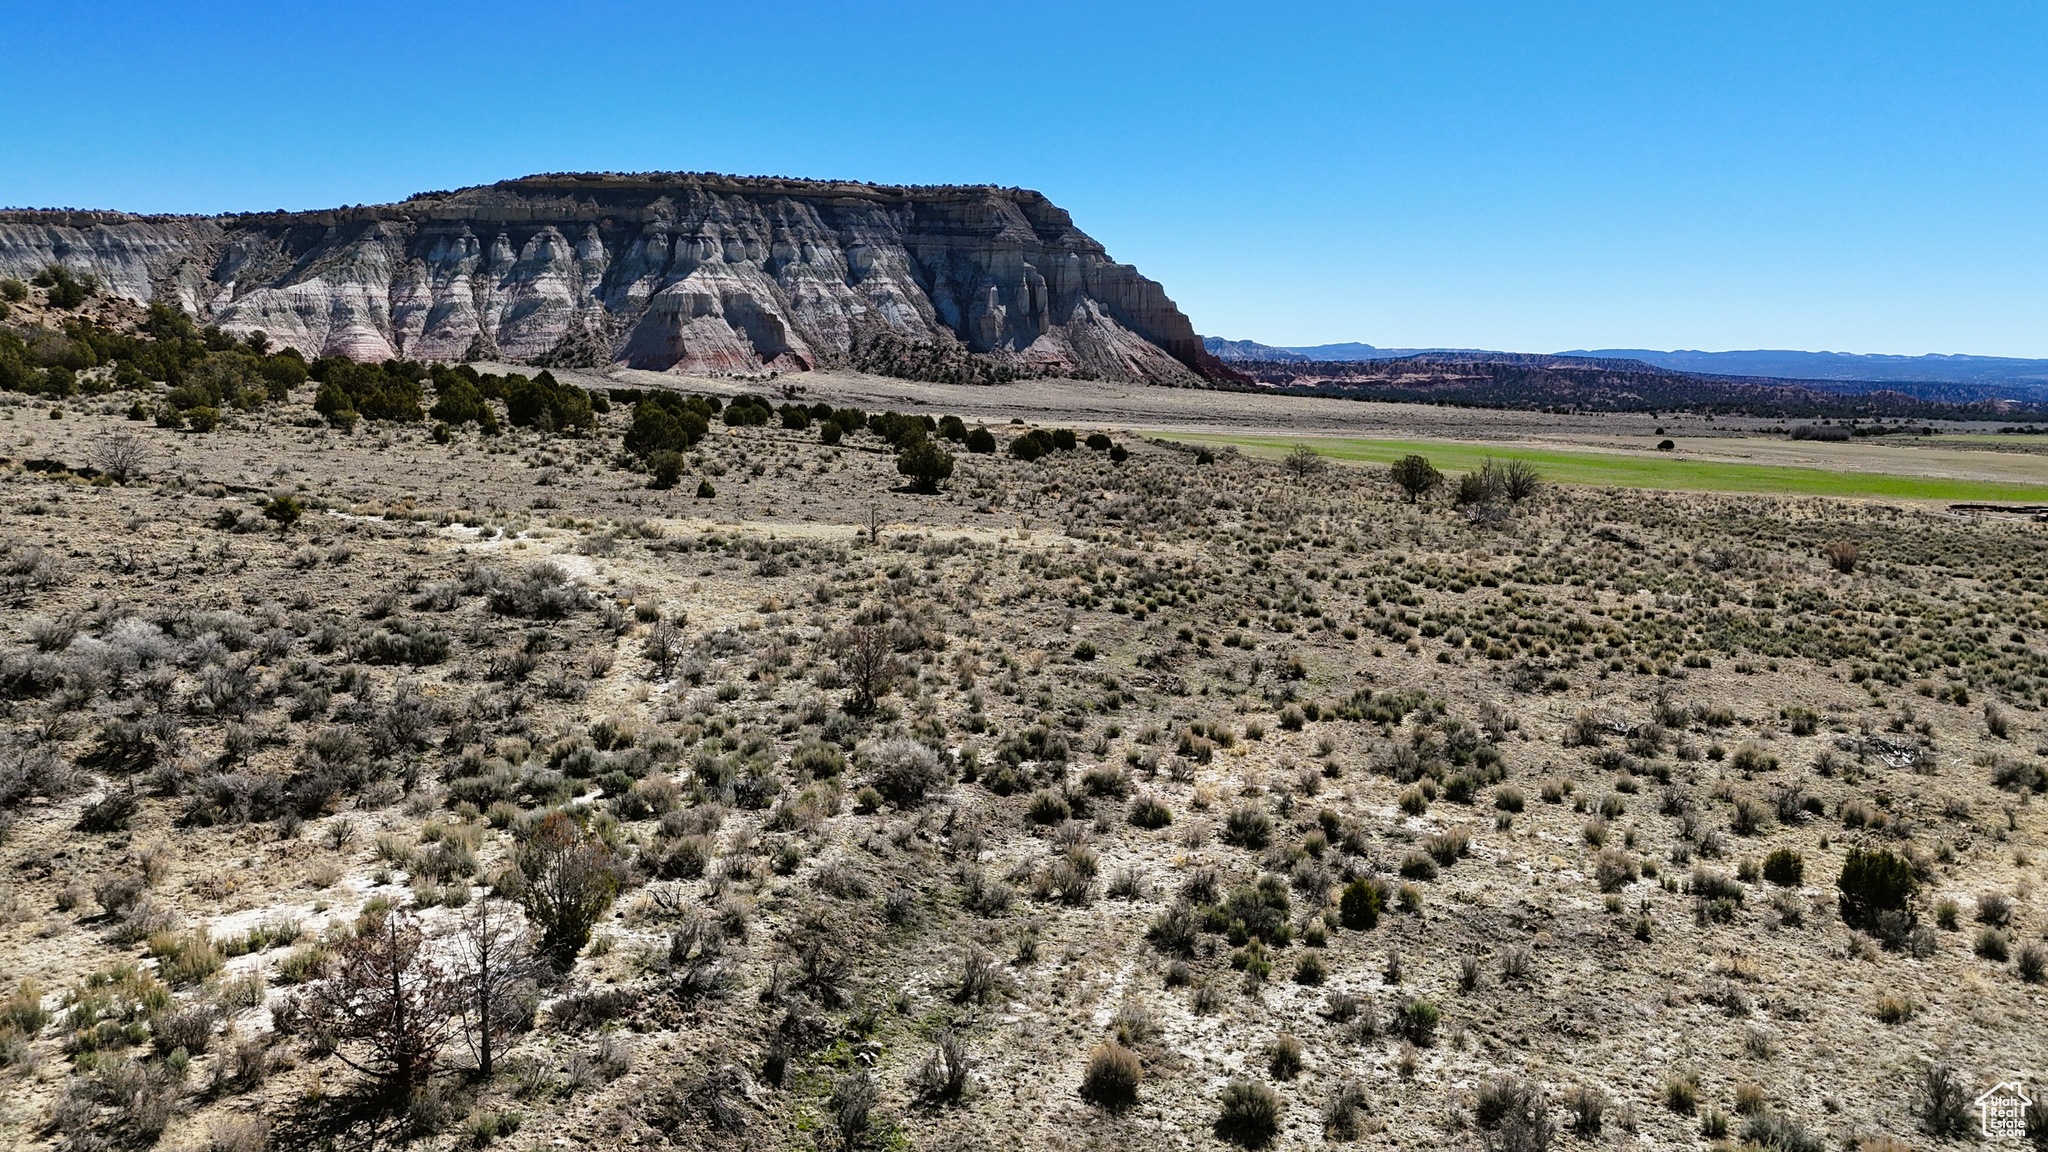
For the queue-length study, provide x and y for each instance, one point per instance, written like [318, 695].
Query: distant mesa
[1253, 352]
[671, 272]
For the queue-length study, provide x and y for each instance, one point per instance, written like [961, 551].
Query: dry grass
[1131, 722]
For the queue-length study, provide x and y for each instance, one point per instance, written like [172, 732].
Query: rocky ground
[1139, 728]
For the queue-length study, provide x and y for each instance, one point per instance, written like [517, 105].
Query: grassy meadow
[1641, 470]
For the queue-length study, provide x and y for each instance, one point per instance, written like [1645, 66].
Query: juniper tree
[389, 1006]
[566, 883]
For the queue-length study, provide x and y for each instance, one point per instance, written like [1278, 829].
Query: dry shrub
[943, 1075]
[1613, 869]
[1249, 1115]
[239, 1134]
[1112, 1077]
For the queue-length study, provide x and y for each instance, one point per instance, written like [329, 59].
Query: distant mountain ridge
[1253, 352]
[1953, 369]
[1981, 374]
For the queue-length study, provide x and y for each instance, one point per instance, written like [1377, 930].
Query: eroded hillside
[682, 272]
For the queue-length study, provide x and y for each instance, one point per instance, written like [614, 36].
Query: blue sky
[1857, 177]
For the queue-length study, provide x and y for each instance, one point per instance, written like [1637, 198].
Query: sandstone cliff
[669, 272]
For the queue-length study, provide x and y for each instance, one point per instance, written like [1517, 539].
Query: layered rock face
[670, 272]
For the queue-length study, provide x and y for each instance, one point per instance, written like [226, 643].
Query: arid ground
[1188, 797]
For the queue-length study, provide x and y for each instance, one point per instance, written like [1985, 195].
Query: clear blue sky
[1857, 177]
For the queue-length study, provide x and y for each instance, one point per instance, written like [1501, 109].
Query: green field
[1628, 470]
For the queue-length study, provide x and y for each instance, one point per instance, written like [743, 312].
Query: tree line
[205, 368]
[208, 372]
